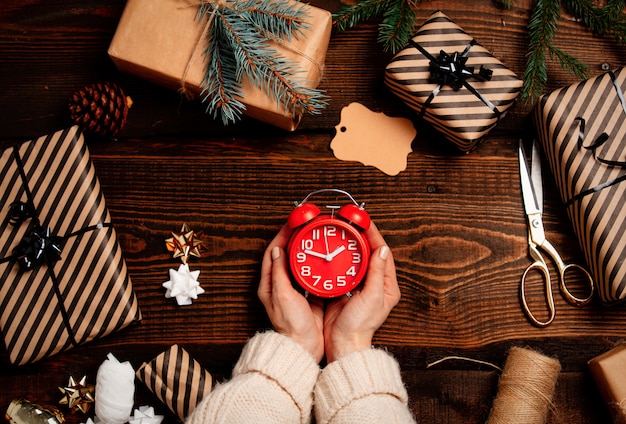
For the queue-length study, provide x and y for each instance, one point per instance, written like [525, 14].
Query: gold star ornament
[78, 396]
[184, 244]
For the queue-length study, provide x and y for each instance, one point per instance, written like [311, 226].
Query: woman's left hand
[290, 312]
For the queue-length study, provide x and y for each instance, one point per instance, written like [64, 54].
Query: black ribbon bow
[38, 246]
[452, 70]
[20, 211]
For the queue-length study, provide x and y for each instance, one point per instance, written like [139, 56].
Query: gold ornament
[27, 411]
[183, 244]
[77, 396]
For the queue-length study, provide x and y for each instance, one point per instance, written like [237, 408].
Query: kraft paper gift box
[63, 280]
[609, 372]
[582, 129]
[163, 42]
[177, 379]
[453, 82]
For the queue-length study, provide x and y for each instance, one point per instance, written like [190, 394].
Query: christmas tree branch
[350, 16]
[283, 20]
[541, 29]
[221, 81]
[397, 25]
[238, 49]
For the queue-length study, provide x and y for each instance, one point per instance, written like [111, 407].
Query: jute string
[198, 47]
[525, 388]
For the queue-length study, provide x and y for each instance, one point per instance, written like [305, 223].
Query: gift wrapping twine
[525, 388]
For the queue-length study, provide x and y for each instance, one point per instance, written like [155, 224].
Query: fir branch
[568, 62]
[350, 16]
[280, 19]
[613, 14]
[588, 13]
[239, 48]
[541, 29]
[222, 83]
[397, 26]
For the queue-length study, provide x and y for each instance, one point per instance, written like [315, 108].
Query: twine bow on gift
[452, 70]
[595, 144]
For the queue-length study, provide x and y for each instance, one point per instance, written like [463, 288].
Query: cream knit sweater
[276, 381]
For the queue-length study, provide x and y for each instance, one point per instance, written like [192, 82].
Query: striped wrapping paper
[463, 113]
[582, 129]
[177, 379]
[82, 291]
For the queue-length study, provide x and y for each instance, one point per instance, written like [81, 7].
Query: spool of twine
[525, 388]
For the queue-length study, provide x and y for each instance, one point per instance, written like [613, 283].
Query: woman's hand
[350, 322]
[290, 312]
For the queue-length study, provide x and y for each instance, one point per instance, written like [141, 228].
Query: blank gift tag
[373, 138]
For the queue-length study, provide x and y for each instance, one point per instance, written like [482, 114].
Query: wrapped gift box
[163, 42]
[582, 129]
[63, 280]
[609, 373]
[452, 81]
[177, 379]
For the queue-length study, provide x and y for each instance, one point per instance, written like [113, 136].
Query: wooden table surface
[454, 221]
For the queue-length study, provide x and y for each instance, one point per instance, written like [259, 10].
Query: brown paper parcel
[582, 129]
[163, 41]
[177, 379]
[464, 115]
[84, 291]
[609, 372]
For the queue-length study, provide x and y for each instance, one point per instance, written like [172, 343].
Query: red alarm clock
[328, 254]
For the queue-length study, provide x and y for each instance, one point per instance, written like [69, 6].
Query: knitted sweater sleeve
[272, 382]
[362, 387]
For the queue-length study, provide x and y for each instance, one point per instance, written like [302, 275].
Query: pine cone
[100, 108]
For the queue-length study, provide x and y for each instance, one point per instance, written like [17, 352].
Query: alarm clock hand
[337, 251]
[316, 254]
[328, 257]
[326, 243]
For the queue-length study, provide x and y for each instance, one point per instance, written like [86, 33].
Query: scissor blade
[530, 203]
[535, 175]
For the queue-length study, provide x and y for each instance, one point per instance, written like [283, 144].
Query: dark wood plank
[454, 221]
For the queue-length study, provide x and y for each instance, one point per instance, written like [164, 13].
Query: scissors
[532, 193]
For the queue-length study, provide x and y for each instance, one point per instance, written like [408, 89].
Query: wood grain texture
[454, 221]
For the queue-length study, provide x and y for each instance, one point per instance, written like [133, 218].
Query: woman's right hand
[350, 322]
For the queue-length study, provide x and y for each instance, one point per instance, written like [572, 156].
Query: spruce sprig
[239, 47]
[542, 26]
[397, 24]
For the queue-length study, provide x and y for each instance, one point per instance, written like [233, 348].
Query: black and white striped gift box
[177, 379]
[63, 280]
[464, 109]
[582, 129]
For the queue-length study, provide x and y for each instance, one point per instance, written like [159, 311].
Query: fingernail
[383, 253]
[275, 253]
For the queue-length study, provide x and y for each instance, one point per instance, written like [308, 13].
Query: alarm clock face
[328, 257]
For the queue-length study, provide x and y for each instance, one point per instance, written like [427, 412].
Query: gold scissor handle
[563, 268]
[540, 266]
[571, 299]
